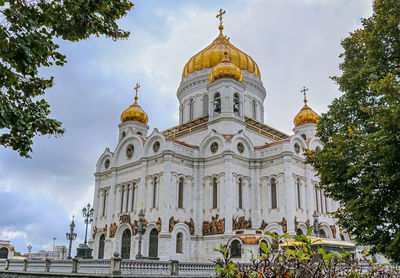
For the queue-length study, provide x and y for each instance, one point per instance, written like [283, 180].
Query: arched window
[179, 240]
[236, 104]
[101, 247]
[133, 196]
[154, 192]
[127, 198]
[316, 200]
[217, 103]
[3, 253]
[240, 193]
[320, 199]
[180, 193]
[205, 105]
[215, 193]
[260, 249]
[322, 233]
[122, 199]
[298, 193]
[126, 244]
[273, 194]
[236, 249]
[191, 109]
[153, 243]
[326, 204]
[299, 231]
[104, 202]
[254, 108]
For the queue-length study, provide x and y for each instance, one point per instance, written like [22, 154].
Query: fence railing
[114, 266]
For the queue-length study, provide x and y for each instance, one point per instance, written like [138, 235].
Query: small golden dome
[134, 112]
[305, 116]
[226, 69]
[214, 53]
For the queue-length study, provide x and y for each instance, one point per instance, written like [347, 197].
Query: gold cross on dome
[304, 91]
[219, 15]
[136, 89]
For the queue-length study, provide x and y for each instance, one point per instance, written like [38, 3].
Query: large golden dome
[214, 53]
[305, 116]
[134, 112]
[226, 69]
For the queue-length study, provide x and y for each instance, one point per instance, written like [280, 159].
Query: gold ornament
[135, 112]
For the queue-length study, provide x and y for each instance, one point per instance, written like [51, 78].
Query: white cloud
[295, 43]
[8, 233]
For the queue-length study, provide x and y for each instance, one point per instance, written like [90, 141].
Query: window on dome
[217, 103]
[215, 193]
[191, 107]
[273, 194]
[254, 109]
[205, 105]
[180, 193]
[236, 104]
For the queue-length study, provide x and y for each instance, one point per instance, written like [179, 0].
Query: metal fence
[113, 266]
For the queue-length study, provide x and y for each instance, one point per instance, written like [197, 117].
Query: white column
[290, 201]
[228, 189]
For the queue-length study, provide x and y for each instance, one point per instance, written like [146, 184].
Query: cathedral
[221, 176]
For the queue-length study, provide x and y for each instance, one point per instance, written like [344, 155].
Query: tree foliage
[360, 163]
[27, 42]
[299, 260]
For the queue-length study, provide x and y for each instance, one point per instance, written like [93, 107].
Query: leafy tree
[284, 257]
[360, 163]
[28, 29]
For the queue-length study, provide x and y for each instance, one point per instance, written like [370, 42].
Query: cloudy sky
[294, 42]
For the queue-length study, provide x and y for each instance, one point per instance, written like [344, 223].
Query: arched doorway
[126, 244]
[153, 243]
[101, 247]
[3, 253]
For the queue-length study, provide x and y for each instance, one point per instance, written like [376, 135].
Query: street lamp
[29, 247]
[71, 236]
[63, 250]
[87, 213]
[84, 251]
[316, 223]
[141, 229]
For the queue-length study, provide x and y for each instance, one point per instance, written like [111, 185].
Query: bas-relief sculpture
[214, 227]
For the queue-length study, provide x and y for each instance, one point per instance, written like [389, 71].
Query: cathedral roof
[214, 53]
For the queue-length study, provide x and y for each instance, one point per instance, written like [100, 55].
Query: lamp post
[63, 250]
[141, 229]
[84, 251]
[316, 223]
[29, 247]
[54, 243]
[87, 213]
[71, 236]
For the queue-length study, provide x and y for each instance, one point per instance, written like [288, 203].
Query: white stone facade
[218, 162]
